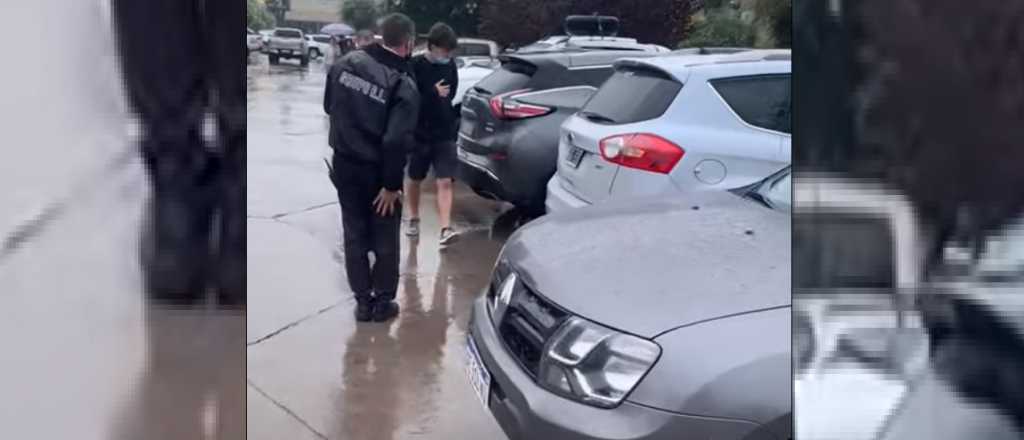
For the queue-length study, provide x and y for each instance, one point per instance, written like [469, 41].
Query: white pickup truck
[288, 43]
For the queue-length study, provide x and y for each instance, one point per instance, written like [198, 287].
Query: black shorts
[441, 155]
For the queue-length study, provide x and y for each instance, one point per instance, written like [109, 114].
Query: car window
[594, 77]
[836, 250]
[633, 95]
[512, 75]
[287, 34]
[323, 39]
[761, 101]
[473, 50]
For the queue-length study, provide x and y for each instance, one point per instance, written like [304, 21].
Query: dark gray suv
[662, 319]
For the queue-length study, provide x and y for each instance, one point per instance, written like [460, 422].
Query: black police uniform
[183, 59]
[373, 106]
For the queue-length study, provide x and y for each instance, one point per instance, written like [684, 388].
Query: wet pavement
[313, 373]
[83, 355]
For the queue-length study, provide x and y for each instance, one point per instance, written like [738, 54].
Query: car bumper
[475, 171]
[524, 410]
[559, 199]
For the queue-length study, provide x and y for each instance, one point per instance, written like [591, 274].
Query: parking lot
[312, 372]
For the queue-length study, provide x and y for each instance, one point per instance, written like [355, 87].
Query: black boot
[364, 310]
[231, 271]
[384, 310]
[176, 238]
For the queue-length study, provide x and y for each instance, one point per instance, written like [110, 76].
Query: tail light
[642, 151]
[504, 106]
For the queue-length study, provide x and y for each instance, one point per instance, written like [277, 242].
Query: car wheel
[314, 53]
[304, 61]
[274, 60]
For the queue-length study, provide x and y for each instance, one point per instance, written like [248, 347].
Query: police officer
[373, 104]
[198, 69]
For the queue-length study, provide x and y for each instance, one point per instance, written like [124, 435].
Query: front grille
[528, 323]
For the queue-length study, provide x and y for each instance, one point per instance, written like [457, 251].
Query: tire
[314, 53]
[274, 60]
[304, 61]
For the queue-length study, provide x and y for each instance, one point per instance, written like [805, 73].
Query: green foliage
[360, 14]
[777, 17]
[461, 15]
[721, 29]
[257, 16]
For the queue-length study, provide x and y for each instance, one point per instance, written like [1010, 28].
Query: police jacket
[373, 106]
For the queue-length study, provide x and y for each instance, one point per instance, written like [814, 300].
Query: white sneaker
[413, 229]
[448, 236]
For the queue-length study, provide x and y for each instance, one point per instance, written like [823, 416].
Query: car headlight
[594, 364]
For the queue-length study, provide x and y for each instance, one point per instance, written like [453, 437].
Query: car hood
[647, 267]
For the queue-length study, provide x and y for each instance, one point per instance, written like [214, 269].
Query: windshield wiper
[597, 117]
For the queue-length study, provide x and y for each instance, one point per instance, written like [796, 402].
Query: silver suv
[676, 123]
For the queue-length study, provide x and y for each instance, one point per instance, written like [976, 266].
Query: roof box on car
[591, 25]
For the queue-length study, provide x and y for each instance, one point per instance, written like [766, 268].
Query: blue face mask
[439, 60]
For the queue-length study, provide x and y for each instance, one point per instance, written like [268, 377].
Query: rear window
[512, 75]
[591, 76]
[322, 39]
[761, 101]
[842, 251]
[633, 96]
[287, 34]
[473, 50]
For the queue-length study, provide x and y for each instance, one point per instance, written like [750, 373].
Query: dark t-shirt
[437, 120]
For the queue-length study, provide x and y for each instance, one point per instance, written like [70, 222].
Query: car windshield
[472, 49]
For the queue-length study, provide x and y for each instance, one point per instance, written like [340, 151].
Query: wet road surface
[84, 356]
[313, 373]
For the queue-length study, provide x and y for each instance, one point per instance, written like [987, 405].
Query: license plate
[479, 377]
[575, 156]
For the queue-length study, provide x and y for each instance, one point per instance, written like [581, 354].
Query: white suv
[676, 123]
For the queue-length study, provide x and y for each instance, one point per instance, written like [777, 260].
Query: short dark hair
[397, 29]
[443, 36]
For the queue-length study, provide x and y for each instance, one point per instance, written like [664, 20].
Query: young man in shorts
[437, 80]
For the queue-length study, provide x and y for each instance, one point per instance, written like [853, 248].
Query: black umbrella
[337, 29]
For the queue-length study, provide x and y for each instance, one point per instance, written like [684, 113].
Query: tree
[461, 15]
[520, 22]
[360, 14]
[777, 16]
[721, 28]
[257, 15]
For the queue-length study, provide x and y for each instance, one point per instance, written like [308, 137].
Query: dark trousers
[365, 231]
[183, 60]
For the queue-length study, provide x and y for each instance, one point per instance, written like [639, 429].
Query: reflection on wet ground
[312, 372]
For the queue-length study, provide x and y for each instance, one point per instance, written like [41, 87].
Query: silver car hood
[650, 266]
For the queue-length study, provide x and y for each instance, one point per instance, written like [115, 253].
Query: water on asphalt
[313, 372]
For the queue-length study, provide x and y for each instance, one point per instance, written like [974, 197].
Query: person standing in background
[437, 79]
[373, 104]
[364, 38]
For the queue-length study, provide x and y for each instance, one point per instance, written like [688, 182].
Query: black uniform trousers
[183, 60]
[364, 231]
